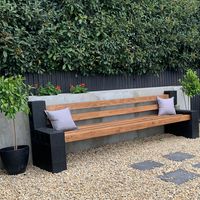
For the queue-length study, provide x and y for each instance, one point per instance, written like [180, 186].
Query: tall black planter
[15, 161]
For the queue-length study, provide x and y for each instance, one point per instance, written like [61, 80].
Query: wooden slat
[121, 128]
[86, 128]
[113, 102]
[116, 122]
[108, 113]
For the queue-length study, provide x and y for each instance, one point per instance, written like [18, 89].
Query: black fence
[100, 82]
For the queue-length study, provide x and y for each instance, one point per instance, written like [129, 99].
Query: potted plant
[190, 85]
[13, 99]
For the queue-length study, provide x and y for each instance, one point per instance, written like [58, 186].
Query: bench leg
[188, 129]
[49, 151]
[48, 145]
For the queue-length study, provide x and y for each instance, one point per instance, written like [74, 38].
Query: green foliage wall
[99, 36]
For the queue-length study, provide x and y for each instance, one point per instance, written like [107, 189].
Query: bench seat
[122, 126]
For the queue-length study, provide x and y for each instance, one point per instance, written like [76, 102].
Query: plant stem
[14, 135]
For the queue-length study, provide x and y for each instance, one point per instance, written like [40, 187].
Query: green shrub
[190, 83]
[98, 36]
[13, 96]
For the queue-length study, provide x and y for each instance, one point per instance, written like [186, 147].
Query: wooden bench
[48, 145]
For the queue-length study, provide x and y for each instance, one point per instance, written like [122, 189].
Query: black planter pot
[15, 161]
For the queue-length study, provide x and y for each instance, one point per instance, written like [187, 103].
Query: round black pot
[15, 161]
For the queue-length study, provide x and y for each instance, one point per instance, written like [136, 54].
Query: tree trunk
[14, 135]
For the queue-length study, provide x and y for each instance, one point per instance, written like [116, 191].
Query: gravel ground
[105, 173]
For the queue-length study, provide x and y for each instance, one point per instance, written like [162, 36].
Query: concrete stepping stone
[146, 165]
[178, 156]
[179, 176]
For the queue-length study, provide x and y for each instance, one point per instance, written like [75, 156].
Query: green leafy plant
[13, 99]
[99, 37]
[190, 83]
[80, 88]
[49, 89]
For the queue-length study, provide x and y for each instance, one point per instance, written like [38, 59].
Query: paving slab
[178, 156]
[179, 176]
[146, 165]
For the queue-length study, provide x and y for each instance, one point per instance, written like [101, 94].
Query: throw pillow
[61, 119]
[166, 106]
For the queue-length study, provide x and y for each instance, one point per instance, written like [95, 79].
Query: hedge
[99, 36]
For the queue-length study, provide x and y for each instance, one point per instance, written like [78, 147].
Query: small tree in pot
[13, 99]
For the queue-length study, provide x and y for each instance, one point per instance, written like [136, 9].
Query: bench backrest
[113, 105]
